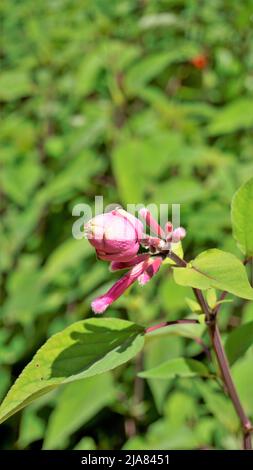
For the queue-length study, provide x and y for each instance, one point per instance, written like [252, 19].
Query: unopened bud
[178, 234]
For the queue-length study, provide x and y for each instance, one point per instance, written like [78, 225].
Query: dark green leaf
[179, 367]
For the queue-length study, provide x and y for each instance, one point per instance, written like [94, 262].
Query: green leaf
[179, 367]
[186, 330]
[217, 269]
[146, 69]
[151, 66]
[65, 257]
[76, 175]
[161, 436]
[242, 373]
[77, 404]
[87, 73]
[242, 220]
[193, 191]
[219, 405]
[15, 84]
[157, 350]
[211, 298]
[239, 341]
[142, 150]
[84, 349]
[86, 443]
[32, 428]
[233, 117]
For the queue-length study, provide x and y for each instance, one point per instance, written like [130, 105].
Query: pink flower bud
[178, 234]
[151, 222]
[168, 227]
[115, 235]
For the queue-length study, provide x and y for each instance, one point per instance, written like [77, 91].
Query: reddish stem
[168, 323]
[210, 316]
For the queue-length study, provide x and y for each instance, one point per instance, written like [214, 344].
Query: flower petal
[136, 223]
[117, 265]
[150, 271]
[151, 222]
[100, 304]
[124, 253]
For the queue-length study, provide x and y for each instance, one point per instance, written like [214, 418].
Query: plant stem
[168, 323]
[228, 381]
[213, 329]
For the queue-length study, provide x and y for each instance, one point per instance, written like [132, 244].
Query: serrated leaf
[179, 367]
[242, 220]
[84, 349]
[217, 269]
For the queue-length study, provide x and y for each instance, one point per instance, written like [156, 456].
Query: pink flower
[142, 269]
[151, 222]
[115, 235]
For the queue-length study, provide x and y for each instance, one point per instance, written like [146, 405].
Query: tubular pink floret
[178, 234]
[151, 222]
[152, 268]
[118, 265]
[168, 227]
[100, 304]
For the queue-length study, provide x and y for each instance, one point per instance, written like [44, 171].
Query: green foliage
[242, 375]
[84, 349]
[217, 269]
[70, 414]
[239, 341]
[179, 367]
[233, 117]
[242, 223]
[157, 350]
[219, 405]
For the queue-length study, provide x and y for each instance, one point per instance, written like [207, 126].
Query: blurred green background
[138, 101]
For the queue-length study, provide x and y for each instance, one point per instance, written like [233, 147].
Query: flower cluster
[117, 237]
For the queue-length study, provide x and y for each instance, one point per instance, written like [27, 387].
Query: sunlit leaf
[217, 269]
[84, 349]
